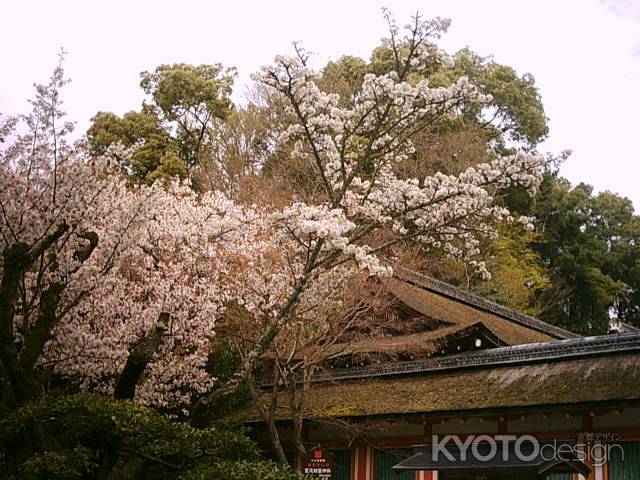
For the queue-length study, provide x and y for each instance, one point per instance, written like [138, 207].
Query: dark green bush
[264, 470]
[77, 463]
[88, 436]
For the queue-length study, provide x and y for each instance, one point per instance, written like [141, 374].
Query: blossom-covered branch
[364, 207]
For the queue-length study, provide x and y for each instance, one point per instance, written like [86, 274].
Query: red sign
[318, 466]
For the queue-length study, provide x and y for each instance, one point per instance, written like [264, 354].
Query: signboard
[318, 466]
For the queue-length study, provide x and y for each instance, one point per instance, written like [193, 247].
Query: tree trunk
[297, 402]
[242, 374]
[251, 358]
[269, 414]
[38, 337]
[139, 358]
[17, 258]
[16, 261]
[274, 436]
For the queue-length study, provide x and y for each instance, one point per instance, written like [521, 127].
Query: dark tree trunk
[139, 357]
[38, 336]
[17, 260]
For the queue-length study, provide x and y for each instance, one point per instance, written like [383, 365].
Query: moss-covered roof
[453, 311]
[614, 377]
[476, 302]
[420, 343]
[447, 308]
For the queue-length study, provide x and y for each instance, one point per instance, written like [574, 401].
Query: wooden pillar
[362, 463]
[369, 464]
[355, 463]
[587, 427]
[588, 461]
[430, 475]
[428, 433]
[598, 472]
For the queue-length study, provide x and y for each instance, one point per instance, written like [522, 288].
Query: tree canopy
[590, 246]
[172, 128]
[150, 269]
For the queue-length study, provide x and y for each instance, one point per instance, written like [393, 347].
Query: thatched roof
[457, 310]
[440, 311]
[543, 365]
[614, 377]
[418, 344]
[458, 305]
[446, 309]
[430, 341]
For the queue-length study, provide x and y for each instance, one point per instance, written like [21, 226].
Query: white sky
[584, 54]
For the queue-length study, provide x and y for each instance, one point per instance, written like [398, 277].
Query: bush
[264, 470]
[83, 436]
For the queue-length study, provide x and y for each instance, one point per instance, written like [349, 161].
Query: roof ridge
[516, 354]
[474, 300]
[438, 334]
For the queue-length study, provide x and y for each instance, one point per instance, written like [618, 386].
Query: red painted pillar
[428, 433]
[361, 464]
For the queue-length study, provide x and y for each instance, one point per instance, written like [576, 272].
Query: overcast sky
[584, 54]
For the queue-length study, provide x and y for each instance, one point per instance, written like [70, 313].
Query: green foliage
[382, 61]
[77, 463]
[516, 112]
[517, 273]
[517, 105]
[180, 90]
[579, 268]
[157, 157]
[344, 76]
[192, 97]
[169, 132]
[591, 244]
[223, 362]
[90, 433]
[242, 471]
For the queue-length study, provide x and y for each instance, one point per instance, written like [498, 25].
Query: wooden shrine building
[491, 372]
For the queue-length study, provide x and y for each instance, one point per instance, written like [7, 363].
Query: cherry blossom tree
[120, 287]
[301, 350]
[115, 286]
[361, 207]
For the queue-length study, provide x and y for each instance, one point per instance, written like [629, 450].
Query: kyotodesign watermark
[524, 448]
